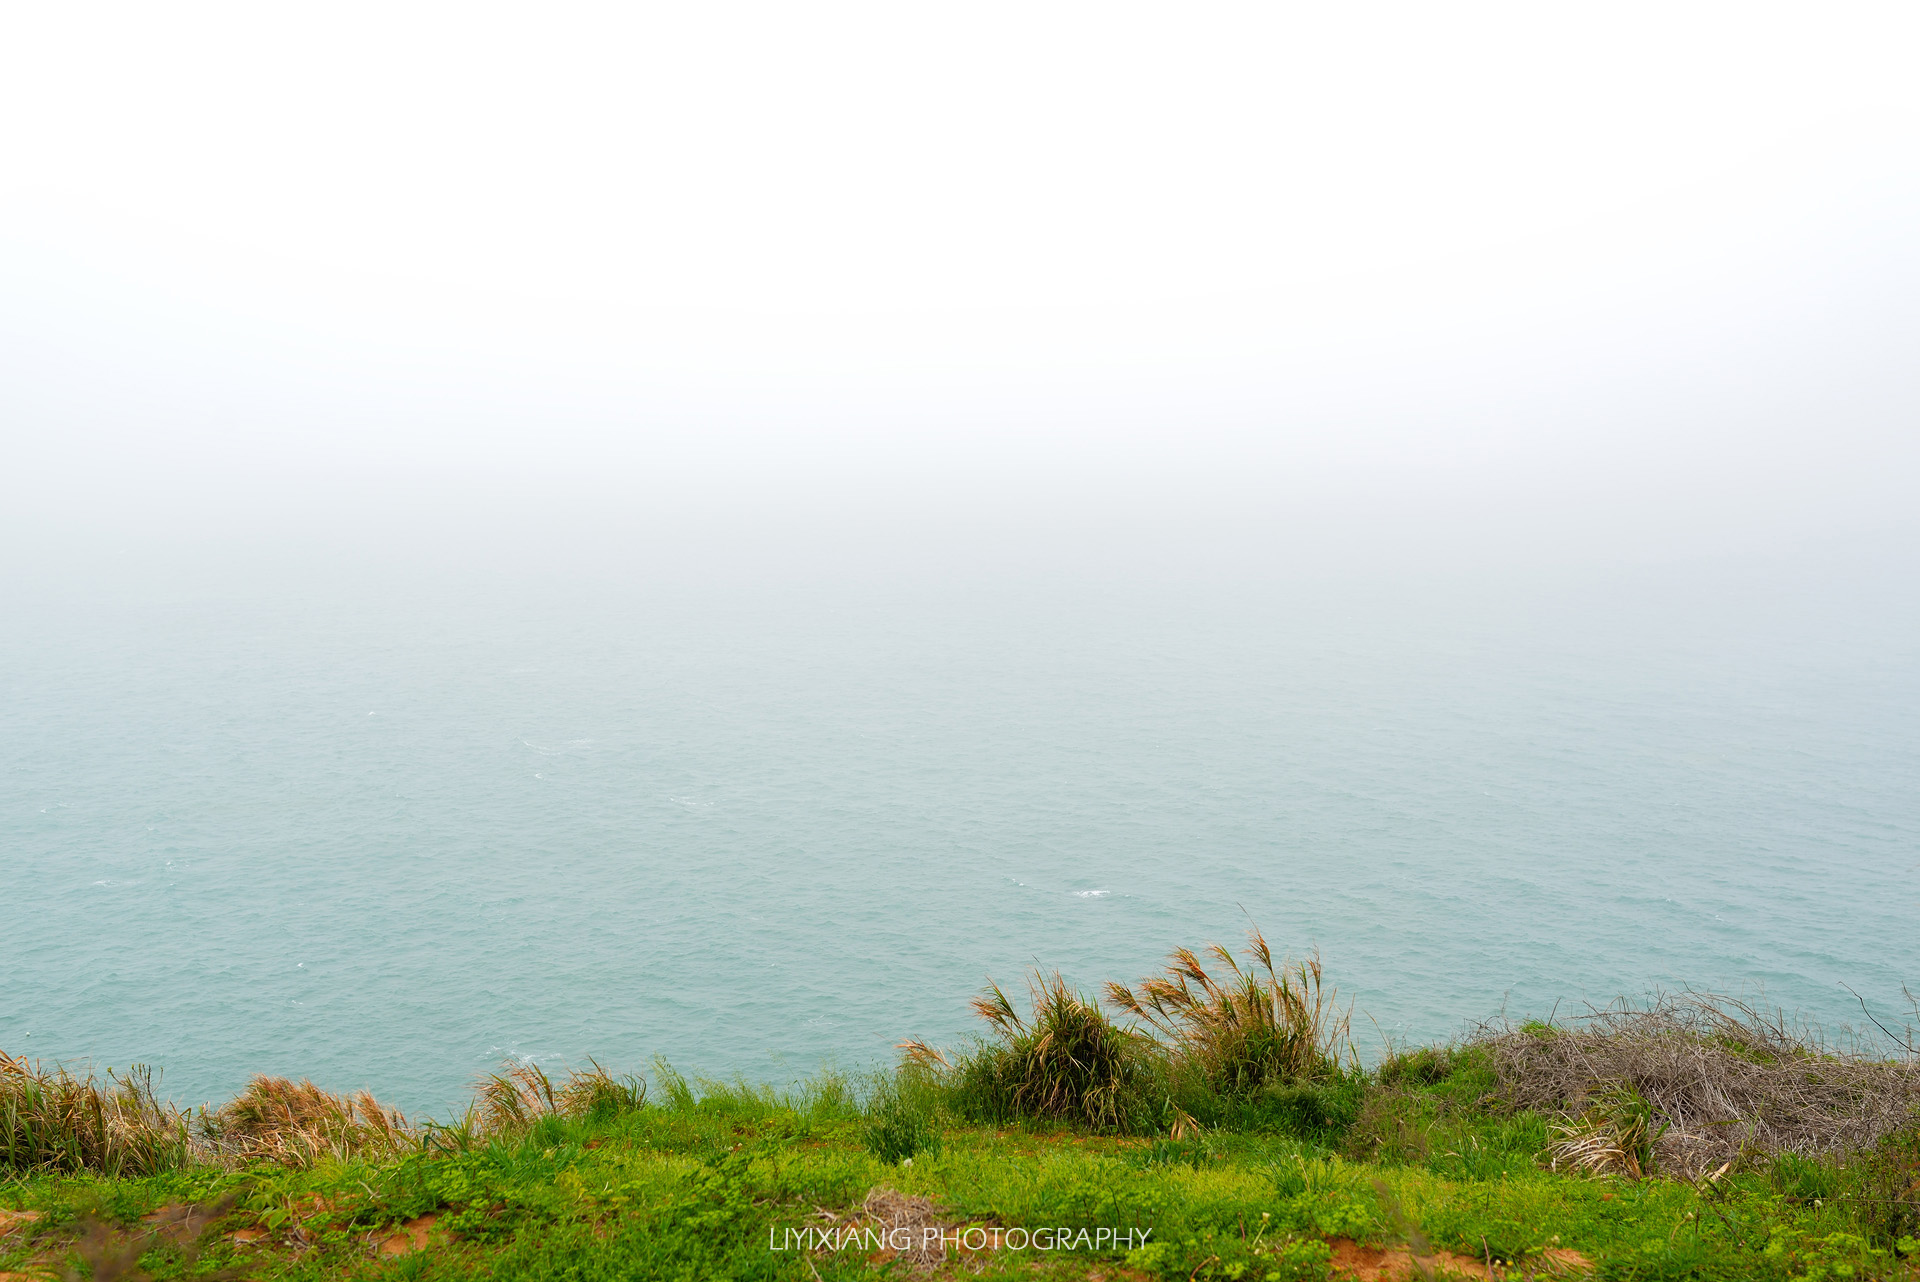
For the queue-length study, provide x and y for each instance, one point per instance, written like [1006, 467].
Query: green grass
[692, 1188]
[692, 1184]
[1233, 1138]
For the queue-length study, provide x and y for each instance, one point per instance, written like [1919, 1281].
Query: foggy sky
[1385, 284]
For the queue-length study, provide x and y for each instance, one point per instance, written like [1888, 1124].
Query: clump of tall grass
[53, 1120]
[899, 1119]
[296, 1124]
[1616, 1134]
[1246, 1029]
[514, 1099]
[1065, 1062]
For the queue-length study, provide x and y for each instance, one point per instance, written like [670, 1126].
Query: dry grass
[890, 1211]
[919, 1056]
[1243, 1027]
[1718, 1078]
[298, 1124]
[53, 1120]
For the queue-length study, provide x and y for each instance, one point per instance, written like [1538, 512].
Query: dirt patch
[13, 1221]
[414, 1235]
[1396, 1264]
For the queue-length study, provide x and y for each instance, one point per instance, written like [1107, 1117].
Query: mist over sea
[387, 829]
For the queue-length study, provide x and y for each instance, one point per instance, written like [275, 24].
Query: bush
[1066, 1062]
[1616, 1133]
[1427, 1066]
[1322, 1111]
[598, 1096]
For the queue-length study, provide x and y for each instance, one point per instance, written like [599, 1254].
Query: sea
[391, 831]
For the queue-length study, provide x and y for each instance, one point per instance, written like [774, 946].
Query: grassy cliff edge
[1208, 1122]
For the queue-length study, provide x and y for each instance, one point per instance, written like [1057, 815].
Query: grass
[53, 1120]
[1229, 1137]
[298, 1124]
[1065, 1062]
[1242, 1030]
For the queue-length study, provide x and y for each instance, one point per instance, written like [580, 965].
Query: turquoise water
[387, 836]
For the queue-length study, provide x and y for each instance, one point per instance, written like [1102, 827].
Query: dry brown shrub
[297, 1124]
[1720, 1077]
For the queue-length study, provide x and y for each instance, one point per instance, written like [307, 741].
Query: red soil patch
[1395, 1264]
[414, 1235]
[12, 1222]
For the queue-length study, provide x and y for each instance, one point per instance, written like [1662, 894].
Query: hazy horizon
[1003, 442]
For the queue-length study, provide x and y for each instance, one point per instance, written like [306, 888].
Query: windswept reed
[1242, 1028]
[298, 1124]
[53, 1120]
[514, 1099]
